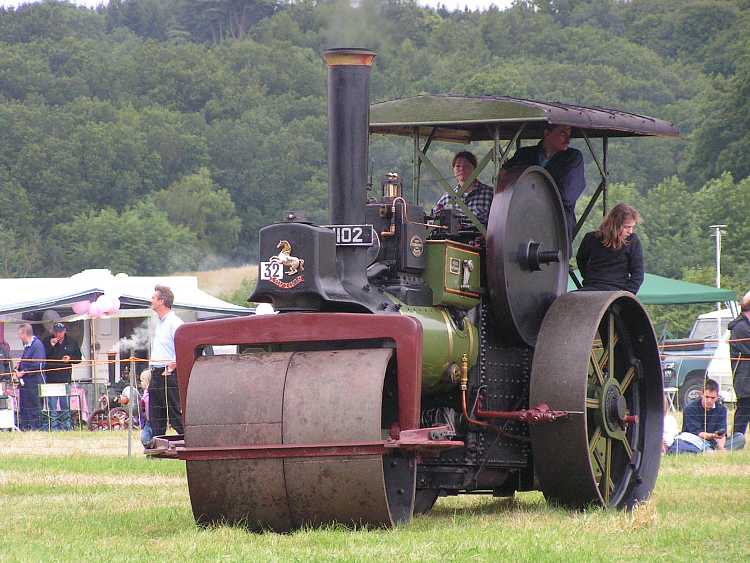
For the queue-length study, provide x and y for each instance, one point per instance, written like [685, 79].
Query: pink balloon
[81, 307]
[95, 310]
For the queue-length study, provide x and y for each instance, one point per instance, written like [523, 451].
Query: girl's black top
[610, 269]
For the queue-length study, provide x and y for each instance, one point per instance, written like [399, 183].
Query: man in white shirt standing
[164, 395]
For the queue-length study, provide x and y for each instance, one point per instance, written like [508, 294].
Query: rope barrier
[704, 356]
[702, 340]
[83, 362]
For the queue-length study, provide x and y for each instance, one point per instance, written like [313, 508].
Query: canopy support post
[418, 161]
[416, 167]
[582, 219]
[605, 145]
[603, 184]
[496, 155]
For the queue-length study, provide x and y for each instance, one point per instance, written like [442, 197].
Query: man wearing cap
[62, 352]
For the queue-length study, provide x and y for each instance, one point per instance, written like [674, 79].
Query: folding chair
[670, 394]
[52, 391]
[7, 413]
[8, 407]
[79, 404]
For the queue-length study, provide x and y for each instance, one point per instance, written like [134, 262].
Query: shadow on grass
[462, 506]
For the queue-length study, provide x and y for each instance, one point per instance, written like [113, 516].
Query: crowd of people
[50, 360]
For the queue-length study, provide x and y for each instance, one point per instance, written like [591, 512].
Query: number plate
[271, 270]
[352, 235]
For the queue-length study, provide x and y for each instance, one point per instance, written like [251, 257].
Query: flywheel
[527, 252]
[309, 398]
[597, 358]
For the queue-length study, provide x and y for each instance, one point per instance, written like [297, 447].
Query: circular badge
[416, 245]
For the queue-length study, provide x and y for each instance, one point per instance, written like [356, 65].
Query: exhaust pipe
[348, 139]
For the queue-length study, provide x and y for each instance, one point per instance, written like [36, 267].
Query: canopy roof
[18, 295]
[658, 290]
[474, 118]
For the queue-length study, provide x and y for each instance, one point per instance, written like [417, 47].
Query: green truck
[704, 354]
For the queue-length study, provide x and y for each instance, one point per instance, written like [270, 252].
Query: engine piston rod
[540, 414]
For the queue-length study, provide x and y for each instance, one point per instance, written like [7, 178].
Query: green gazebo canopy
[658, 290]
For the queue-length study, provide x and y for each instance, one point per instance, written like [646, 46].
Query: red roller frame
[287, 328]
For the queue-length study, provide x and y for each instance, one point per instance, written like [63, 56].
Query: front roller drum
[597, 358]
[311, 398]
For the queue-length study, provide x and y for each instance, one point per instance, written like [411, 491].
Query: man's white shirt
[162, 346]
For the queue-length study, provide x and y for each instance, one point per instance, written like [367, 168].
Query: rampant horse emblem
[285, 258]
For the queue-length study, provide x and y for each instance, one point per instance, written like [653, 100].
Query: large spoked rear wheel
[597, 357]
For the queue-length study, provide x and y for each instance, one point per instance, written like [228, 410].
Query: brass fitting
[392, 185]
[392, 229]
[464, 372]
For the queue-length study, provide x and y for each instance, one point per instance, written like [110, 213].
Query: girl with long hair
[611, 257]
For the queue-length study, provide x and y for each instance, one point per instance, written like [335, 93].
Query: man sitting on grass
[704, 425]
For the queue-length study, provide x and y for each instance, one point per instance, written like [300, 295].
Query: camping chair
[79, 404]
[7, 413]
[52, 391]
[8, 407]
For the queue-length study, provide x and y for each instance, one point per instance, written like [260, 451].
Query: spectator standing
[611, 258]
[739, 350]
[164, 395]
[62, 352]
[5, 365]
[29, 373]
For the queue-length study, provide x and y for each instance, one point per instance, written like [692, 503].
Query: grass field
[76, 496]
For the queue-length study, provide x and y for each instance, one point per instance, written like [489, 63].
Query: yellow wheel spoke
[626, 445]
[611, 344]
[599, 464]
[607, 357]
[592, 403]
[594, 439]
[628, 379]
[597, 370]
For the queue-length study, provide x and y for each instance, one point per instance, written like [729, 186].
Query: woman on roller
[611, 258]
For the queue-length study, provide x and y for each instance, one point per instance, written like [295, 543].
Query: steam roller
[412, 358]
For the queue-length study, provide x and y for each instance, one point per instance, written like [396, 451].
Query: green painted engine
[413, 358]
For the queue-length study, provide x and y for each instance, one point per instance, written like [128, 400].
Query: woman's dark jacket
[609, 269]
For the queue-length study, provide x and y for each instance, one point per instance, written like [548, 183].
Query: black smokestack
[348, 121]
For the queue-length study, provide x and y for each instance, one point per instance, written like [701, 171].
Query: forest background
[151, 136]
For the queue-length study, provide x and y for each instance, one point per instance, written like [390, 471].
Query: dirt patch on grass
[69, 443]
[83, 479]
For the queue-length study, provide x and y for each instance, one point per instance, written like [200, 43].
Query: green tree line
[158, 135]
